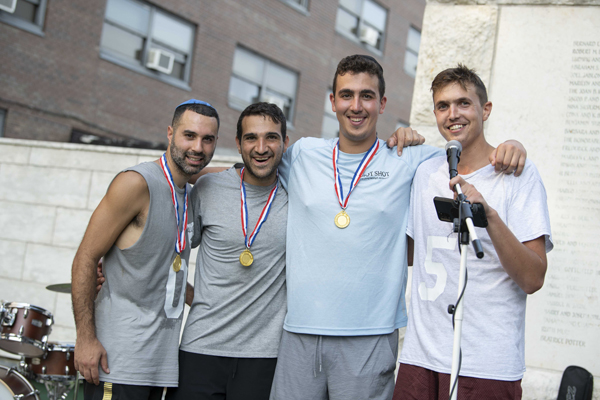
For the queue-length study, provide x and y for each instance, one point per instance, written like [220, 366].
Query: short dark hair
[201, 109]
[266, 110]
[360, 63]
[464, 77]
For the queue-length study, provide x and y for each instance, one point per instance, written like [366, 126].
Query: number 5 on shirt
[435, 268]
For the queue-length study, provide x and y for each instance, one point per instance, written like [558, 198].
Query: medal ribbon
[248, 240]
[181, 237]
[339, 191]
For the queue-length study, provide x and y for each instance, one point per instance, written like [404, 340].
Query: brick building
[115, 68]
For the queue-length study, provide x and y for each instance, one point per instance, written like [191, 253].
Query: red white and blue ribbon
[248, 240]
[339, 191]
[180, 242]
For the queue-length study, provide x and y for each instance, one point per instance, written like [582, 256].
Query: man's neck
[474, 157]
[179, 178]
[252, 180]
[351, 147]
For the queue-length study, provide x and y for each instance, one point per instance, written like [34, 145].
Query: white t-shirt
[494, 306]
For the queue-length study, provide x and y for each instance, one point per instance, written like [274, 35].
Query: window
[2, 118]
[143, 38]
[300, 5]
[28, 15]
[412, 52]
[331, 127]
[255, 78]
[363, 20]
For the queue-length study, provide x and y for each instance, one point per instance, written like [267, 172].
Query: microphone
[453, 149]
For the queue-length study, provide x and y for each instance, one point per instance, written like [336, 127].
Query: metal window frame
[409, 50]
[298, 5]
[328, 113]
[262, 86]
[362, 22]
[37, 27]
[419, 32]
[140, 66]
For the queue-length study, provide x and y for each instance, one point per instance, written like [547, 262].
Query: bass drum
[14, 386]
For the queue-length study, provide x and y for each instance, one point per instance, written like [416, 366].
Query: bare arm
[126, 198]
[410, 250]
[204, 171]
[189, 294]
[508, 157]
[524, 262]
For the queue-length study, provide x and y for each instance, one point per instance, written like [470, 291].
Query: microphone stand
[465, 227]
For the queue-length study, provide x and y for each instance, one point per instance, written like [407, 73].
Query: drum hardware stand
[8, 318]
[59, 389]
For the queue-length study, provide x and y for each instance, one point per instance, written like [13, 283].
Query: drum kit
[24, 330]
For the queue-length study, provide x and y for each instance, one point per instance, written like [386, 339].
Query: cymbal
[60, 288]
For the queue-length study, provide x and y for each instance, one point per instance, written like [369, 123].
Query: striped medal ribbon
[342, 219]
[181, 237]
[246, 258]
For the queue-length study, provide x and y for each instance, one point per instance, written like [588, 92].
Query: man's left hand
[404, 137]
[509, 157]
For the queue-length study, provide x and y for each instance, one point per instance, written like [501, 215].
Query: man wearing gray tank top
[139, 227]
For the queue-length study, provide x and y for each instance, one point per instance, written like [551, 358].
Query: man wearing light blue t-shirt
[346, 249]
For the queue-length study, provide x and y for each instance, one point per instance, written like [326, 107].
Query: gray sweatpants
[335, 367]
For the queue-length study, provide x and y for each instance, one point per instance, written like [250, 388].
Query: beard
[178, 156]
[262, 174]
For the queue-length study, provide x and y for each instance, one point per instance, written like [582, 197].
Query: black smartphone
[447, 210]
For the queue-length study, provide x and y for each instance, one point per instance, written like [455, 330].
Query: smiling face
[460, 114]
[357, 105]
[261, 146]
[192, 142]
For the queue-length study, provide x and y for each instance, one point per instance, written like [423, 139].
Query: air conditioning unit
[8, 5]
[369, 35]
[278, 101]
[160, 60]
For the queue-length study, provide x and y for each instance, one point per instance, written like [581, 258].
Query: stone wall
[540, 61]
[48, 192]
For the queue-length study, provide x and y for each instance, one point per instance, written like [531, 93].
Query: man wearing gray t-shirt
[231, 337]
[515, 243]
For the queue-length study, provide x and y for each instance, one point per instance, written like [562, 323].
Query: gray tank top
[140, 306]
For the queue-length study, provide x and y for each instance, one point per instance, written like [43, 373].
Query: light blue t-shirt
[347, 282]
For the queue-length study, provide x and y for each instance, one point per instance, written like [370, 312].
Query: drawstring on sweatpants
[318, 355]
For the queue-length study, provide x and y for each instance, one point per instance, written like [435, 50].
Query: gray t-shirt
[237, 311]
[140, 306]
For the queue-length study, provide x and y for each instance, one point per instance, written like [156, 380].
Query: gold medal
[177, 263]
[246, 258]
[342, 219]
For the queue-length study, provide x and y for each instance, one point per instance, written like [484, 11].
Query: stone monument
[540, 60]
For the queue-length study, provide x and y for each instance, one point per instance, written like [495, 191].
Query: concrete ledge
[21, 145]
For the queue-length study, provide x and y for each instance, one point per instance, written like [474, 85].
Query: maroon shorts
[417, 383]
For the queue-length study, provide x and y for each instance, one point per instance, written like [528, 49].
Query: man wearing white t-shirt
[515, 243]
